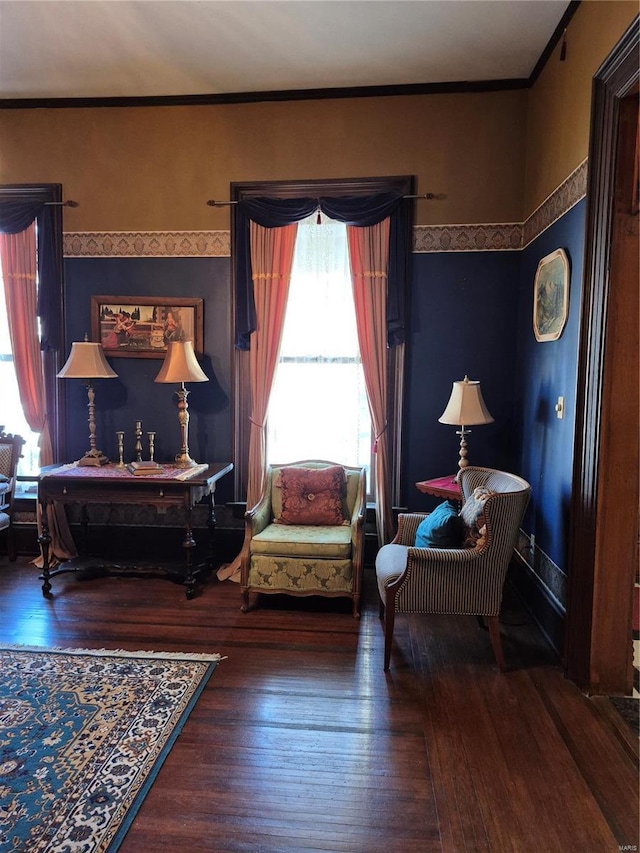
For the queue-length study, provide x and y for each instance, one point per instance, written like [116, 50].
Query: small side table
[441, 487]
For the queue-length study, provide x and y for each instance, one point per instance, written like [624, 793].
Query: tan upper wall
[495, 155]
[153, 168]
[559, 109]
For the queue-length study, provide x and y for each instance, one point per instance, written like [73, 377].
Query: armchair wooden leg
[390, 616]
[356, 606]
[245, 601]
[494, 634]
[11, 544]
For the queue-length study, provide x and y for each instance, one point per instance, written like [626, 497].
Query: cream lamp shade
[181, 365]
[466, 407]
[87, 361]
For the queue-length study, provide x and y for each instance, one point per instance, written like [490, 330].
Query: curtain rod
[63, 203]
[431, 196]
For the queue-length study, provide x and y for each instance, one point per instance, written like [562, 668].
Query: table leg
[44, 540]
[211, 526]
[188, 544]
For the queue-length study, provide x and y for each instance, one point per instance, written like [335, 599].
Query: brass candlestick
[120, 437]
[138, 441]
[152, 444]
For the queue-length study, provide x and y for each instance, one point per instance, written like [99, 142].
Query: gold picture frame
[141, 326]
[551, 296]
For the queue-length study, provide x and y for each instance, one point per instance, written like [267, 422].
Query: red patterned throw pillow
[312, 496]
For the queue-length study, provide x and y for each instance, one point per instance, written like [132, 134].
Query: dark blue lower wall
[134, 395]
[462, 320]
[546, 371]
[470, 313]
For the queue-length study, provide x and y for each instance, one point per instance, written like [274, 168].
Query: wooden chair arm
[259, 516]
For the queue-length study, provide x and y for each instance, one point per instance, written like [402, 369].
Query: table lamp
[87, 361]
[466, 407]
[180, 365]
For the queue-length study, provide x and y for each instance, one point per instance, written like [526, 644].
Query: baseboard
[547, 613]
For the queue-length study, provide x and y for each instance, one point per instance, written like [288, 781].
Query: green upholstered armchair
[305, 559]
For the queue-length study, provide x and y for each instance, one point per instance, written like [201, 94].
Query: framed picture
[141, 326]
[551, 296]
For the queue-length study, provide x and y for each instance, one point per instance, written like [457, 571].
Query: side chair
[10, 453]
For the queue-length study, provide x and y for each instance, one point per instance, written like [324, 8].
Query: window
[11, 414]
[395, 360]
[318, 406]
[19, 205]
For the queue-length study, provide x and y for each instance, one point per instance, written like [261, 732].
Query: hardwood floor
[301, 743]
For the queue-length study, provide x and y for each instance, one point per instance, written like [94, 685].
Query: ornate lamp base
[183, 460]
[463, 433]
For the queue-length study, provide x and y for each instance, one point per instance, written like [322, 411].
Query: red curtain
[18, 259]
[369, 261]
[271, 261]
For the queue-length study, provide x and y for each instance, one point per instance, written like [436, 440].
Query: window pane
[318, 407]
[319, 411]
[321, 317]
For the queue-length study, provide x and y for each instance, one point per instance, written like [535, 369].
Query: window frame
[241, 394]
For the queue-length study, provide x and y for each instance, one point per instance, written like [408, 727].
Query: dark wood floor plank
[300, 742]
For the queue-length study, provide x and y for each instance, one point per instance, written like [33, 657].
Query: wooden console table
[441, 487]
[109, 484]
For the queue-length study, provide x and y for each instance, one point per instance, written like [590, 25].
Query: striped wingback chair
[454, 580]
[10, 453]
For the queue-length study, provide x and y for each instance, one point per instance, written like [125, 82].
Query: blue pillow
[442, 528]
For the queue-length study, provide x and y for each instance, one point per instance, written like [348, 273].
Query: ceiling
[154, 48]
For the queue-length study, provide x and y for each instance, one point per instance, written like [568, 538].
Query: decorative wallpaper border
[467, 238]
[561, 200]
[147, 244]
[498, 237]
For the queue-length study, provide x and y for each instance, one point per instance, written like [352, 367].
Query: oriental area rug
[83, 735]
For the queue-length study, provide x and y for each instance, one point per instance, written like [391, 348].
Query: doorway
[604, 508]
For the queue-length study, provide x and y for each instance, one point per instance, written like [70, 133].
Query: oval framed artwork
[551, 296]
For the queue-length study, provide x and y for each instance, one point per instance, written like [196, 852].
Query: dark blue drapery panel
[360, 211]
[18, 209]
[50, 275]
[16, 215]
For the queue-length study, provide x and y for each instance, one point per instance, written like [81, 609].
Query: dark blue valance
[360, 211]
[19, 207]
